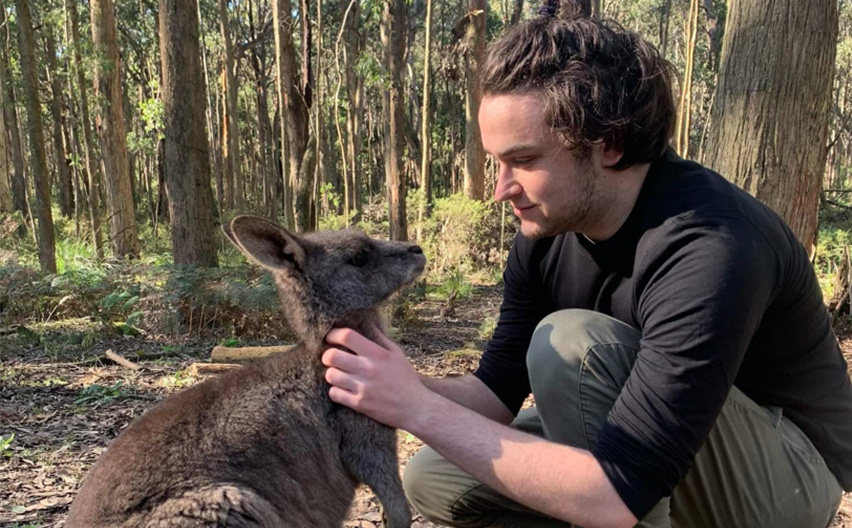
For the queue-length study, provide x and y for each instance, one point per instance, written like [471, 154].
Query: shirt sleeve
[503, 366]
[702, 291]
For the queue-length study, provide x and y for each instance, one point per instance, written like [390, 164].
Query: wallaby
[264, 446]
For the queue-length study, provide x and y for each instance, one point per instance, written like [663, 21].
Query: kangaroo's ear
[266, 243]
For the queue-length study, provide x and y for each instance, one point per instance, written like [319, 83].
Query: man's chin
[534, 231]
[537, 231]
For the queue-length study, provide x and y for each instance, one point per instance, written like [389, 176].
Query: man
[669, 326]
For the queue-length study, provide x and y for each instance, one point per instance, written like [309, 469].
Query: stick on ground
[126, 363]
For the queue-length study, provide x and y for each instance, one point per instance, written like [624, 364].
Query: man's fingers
[352, 340]
[341, 359]
[342, 397]
[341, 379]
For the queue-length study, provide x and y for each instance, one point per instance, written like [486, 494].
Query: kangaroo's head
[324, 277]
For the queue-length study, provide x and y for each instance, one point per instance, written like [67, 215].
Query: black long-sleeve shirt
[722, 293]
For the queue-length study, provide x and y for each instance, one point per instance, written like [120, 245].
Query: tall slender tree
[426, 124]
[187, 152]
[6, 203]
[86, 125]
[355, 107]
[474, 165]
[684, 114]
[231, 136]
[295, 96]
[771, 114]
[10, 115]
[394, 22]
[112, 131]
[57, 110]
[284, 79]
[35, 130]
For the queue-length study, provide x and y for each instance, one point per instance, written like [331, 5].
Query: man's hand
[375, 379]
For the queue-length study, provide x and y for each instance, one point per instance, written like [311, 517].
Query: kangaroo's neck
[368, 322]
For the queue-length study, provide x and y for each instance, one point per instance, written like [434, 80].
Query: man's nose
[506, 186]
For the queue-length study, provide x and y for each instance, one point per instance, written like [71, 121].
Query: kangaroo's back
[263, 446]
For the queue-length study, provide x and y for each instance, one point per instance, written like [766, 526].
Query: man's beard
[572, 219]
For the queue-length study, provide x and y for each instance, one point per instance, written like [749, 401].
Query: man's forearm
[560, 481]
[469, 391]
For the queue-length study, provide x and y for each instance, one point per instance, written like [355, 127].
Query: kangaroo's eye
[359, 259]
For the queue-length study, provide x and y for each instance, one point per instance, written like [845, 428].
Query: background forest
[131, 129]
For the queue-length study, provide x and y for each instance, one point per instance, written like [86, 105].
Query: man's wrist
[423, 413]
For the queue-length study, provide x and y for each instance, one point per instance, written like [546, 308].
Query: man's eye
[523, 161]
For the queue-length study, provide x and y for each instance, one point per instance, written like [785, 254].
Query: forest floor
[63, 411]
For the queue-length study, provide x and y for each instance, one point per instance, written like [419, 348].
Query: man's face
[551, 190]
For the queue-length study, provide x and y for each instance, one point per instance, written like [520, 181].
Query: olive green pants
[756, 469]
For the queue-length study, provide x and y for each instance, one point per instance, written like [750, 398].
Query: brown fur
[264, 446]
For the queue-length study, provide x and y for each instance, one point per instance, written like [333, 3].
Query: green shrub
[460, 235]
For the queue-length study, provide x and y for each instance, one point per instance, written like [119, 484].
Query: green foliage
[331, 220]
[454, 285]
[177, 380]
[97, 395]
[486, 329]
[461, 235]
[6, 444]
[230, 342]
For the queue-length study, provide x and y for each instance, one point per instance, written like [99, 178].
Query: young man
[669, 326]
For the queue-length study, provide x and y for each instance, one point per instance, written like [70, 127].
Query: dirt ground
[64, 410]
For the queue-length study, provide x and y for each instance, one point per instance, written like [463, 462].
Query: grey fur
[264, 446]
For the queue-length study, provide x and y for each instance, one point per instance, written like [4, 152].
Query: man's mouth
[519, 211]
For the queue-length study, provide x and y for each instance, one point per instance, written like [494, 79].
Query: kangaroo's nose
[415, 249]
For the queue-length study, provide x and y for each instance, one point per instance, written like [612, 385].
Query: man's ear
[267, 243]
[609, 156]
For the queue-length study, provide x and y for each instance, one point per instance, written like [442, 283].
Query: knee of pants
[560, 342]
[427, 487]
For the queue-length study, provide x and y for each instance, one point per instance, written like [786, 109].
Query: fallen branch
[126, 363]
[223, 354]
[199, 369]
[147, 356]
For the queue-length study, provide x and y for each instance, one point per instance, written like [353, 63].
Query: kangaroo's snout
[415, 249]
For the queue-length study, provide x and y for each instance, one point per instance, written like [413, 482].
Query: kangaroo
[263, 446]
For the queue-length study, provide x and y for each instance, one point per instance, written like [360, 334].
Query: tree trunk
[426, 124]
[715, 32]
[35, 130]
[264, 125]
[91, 170]
[112, 131]
[305, 206]
[19, 188]
[211, 122]
[517, 11]
[57, 107]
[285, 68]
[7, 203]
[393, 37]
[685, 107]
[295, 96]
[772, 105]
[355, 109]
[187, 152]
[231, 140]
[474, 166]
[665, 18]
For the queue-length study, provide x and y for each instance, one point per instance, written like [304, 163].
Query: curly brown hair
[599, 81]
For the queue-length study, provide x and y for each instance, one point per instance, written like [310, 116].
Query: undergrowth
[235, 301]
